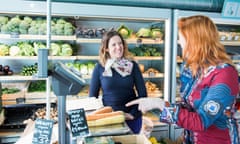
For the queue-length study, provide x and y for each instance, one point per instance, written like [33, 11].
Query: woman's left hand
[128, 116]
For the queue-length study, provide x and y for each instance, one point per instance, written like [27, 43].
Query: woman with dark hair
[119, 78]
[209, 87]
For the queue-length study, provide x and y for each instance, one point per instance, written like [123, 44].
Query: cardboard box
[131, 139]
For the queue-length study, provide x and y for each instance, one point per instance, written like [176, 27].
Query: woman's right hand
[146, 104]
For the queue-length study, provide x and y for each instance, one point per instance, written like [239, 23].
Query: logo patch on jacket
[212, 107]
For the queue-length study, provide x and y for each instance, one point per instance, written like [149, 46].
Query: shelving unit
[93, 16]
[98, 17]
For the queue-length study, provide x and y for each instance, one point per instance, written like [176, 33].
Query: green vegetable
[26, 49]
[4, 50]
[42, 29]
[144, 32]
[3, 20]
[124, 31]
[59, 29]
[156, 33]
[68, 29]
[33, 30]
[23, 27]
[36, 86]
[33, 23]
[27, 19]
[13, 24]
[60, 21]
[38, 45]
[83, 69]
[66, 50]
[4, 29]
[90, 66]
[29, 70]
[55, 49]
[10, 90]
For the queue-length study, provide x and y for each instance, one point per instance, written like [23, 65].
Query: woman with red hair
[209, 87]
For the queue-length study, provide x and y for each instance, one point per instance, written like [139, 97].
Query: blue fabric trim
[221, 96]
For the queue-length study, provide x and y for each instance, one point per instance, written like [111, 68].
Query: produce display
[151, 72]
[229, 34]
[5, 70]
[125, 31]
[150, 86]
[89, 32]
[153, 140]
[27, 48]
[34, 25]
[41, 114]
[83, 68]
[105, 116]
[4, 50]
[10, 90]
[144, 33]
[99, 140]
[29, 70]
[145, 50]
[37, 86]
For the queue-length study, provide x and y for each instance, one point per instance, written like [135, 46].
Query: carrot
[105, 109]
[91, 117]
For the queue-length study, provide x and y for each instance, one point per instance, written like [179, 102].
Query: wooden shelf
[129, 41]
[74, 57]
[158, 75]
[19, 78]
[148, 57]
[231, 43]
[37, 37]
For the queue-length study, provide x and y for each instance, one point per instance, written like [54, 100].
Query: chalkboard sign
[78, 122]
[42, 132]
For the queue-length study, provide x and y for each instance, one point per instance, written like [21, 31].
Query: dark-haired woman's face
[115, 47]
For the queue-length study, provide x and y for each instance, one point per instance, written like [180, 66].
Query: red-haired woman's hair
[203, 47]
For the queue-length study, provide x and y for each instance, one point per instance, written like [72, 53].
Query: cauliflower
[14, 51]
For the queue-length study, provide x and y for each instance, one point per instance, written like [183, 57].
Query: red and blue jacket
[206, 101]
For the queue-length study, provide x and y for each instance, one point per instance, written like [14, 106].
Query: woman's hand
[128, 116]
[146, 104]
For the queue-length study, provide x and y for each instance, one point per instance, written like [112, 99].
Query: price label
[78, 123]
[42, 132]
[231, 9]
